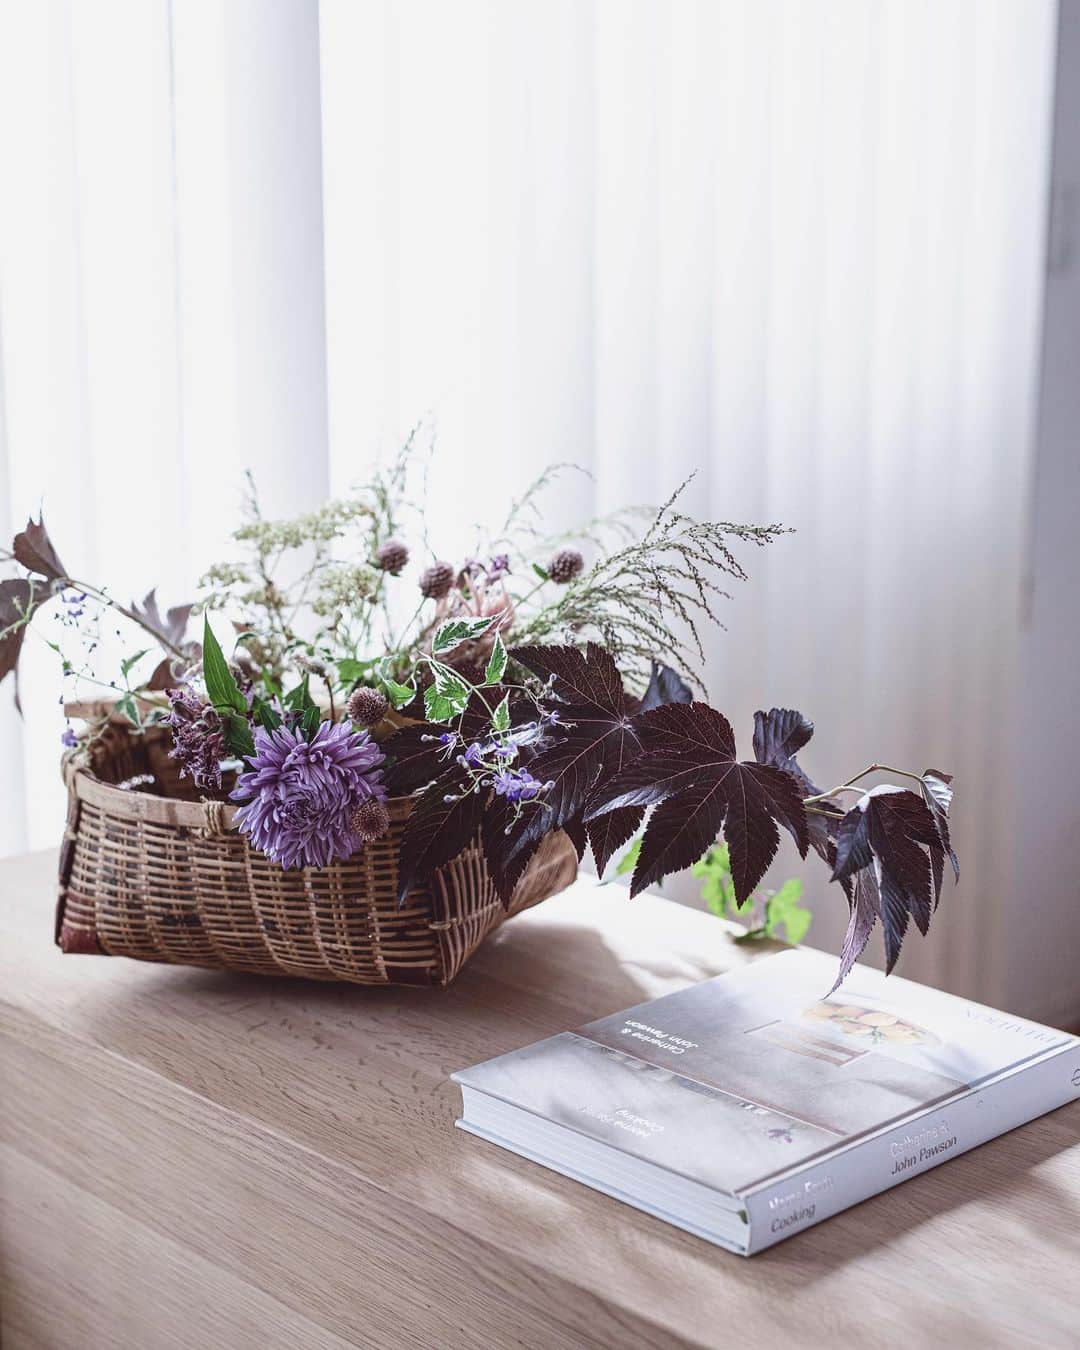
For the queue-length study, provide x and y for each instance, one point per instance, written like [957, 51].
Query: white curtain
[795, 247]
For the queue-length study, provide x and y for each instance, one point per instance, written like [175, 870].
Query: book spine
[817, 1192]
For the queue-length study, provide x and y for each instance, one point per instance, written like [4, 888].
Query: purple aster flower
[517, 785]
[300, 797]
[198, 738]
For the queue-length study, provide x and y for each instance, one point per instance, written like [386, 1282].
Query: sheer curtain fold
[792, 248]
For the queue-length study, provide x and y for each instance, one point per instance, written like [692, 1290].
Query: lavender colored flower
[499, 566]
[517, 785]
[300, 797]
[69, 739]
[198, 738]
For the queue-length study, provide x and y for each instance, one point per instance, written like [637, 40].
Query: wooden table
[204, 1160]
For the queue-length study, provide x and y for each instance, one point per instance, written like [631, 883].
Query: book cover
[737, 1080]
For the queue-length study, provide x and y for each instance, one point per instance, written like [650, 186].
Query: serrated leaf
[864, 914]
[127, 707]
[437, 831]
[938, 795]
[500, 718]
[350, 671]
[628, 861]
[595, 739]
[448, 696]
[689, 772]
[400, 695]
[33, 548]
[221, 686]
[453, 632]
[496, 666]
[891, 830]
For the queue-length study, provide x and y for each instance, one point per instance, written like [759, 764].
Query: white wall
[1042, 940]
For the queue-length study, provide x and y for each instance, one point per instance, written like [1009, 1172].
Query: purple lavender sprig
[198, 738]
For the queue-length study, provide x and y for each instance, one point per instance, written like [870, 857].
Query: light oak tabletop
[204, 1160]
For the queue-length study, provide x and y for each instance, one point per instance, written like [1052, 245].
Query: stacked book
[749, 1107]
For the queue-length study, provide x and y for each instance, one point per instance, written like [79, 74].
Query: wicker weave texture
[148, 872]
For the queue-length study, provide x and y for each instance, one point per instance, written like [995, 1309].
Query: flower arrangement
[540, 684]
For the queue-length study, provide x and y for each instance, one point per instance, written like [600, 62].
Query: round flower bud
[391, 557]
[436, 580]
[367, 706]
[370, 820]
[565, 566]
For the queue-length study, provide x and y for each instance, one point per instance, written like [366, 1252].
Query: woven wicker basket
[149, 871]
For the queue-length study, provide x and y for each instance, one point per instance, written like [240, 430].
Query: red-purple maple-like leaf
[689, 772]
[440, 825]
[893, 832]
[169, 629]
[34, 549]
[865, 908]
[596, 739]
[779, 735]
[665, 686]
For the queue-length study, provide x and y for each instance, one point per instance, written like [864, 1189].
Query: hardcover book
[749, 1107]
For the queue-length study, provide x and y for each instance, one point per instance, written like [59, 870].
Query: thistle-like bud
[370, 820]
[367, 706]
[565, 566]
[436, 580]
[391, 556]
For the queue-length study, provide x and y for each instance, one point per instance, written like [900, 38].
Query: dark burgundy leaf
[895, 830]
[163, 677]
[864, 912]
[436, 832]
[894, 917]
[168, 629]
[17, 600]
[938, 795]
[779, 735]
[852, 844]
[34, 549]
[665, 686]
[610, 832]
[596, 739]
[688, 763]
[574, 829]
[416, 757]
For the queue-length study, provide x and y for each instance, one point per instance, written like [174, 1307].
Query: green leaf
[310, 721]
[265, 715]
[628, 861]
[221, 684]
[448, 696]
[453, 632]
[129, 661]
[398, 694]
[541, 572]
[785, 907]
[299, 699]
[350, 671]
[238, 735]
[500, 718]
[717, 889]
[127, 707]
[496, 662]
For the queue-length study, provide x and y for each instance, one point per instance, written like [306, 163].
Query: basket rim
[132, 804]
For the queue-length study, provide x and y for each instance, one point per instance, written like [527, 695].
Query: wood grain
[197, 1159]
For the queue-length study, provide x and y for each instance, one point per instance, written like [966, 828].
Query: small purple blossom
[473, 756]
[300, 797]
[499, 566]
[69, 739]
[198, 738]
[517, 785]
